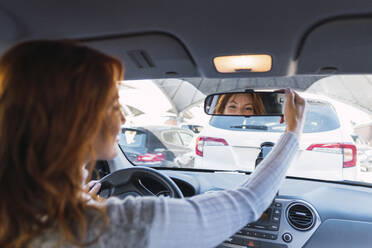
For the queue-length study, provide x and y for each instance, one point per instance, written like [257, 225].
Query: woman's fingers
[93, 187]
[299, 100]
[94, 190]
[294, 112]
[92, 183]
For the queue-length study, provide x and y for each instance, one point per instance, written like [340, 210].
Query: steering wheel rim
[125, 182]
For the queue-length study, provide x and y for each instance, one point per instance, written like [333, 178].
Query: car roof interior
[174, 39]
[179, 40]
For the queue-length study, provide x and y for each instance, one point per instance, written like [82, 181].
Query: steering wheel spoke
[142, 190]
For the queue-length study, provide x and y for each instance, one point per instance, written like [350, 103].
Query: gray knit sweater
[201, 221]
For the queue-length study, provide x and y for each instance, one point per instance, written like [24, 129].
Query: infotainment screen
[270, 219]
[266, 228]
[265, 217]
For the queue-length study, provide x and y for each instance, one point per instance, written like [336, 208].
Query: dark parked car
[166, 146]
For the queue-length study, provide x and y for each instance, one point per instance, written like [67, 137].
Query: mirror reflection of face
[239, 104]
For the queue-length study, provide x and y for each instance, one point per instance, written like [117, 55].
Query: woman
[240, 104]
[59, 113]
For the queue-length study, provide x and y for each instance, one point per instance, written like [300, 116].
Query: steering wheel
[127, 182]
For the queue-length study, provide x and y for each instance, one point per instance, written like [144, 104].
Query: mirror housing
[247, 103]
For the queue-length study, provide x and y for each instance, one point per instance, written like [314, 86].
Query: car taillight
[349, 151]
[202, 141]
[151, 157]
[350, 155]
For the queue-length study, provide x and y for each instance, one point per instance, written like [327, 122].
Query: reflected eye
[232, 107]
[249, 109]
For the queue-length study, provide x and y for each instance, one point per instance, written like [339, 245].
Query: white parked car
[229, 142]
[364, 152]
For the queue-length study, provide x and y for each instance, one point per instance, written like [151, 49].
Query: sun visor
[149, 56]
[10, 31]
[338, 46]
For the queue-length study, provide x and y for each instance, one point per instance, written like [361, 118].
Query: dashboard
[305, 213]
[332, 214]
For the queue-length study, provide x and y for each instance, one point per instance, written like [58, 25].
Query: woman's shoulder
[127, 224]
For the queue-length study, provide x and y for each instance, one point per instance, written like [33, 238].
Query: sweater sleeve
[207, 220]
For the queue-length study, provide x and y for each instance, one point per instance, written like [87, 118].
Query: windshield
[132, 138]
[167, 127]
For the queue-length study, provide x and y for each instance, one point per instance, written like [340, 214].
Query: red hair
[53, 96]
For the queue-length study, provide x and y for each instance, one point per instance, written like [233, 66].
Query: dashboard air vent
[300, 216]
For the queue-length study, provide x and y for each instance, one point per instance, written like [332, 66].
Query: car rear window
[186, 138]
[320, 117]
[172, 137]
[132, 138]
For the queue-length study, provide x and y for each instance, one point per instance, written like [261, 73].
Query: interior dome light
[243, 63]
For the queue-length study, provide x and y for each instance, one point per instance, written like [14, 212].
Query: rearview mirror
[248, 103]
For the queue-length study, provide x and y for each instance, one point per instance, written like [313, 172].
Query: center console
[286, 223]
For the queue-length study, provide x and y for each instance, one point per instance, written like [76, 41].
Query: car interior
[297, 43]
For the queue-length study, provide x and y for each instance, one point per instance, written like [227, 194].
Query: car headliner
[187, 35]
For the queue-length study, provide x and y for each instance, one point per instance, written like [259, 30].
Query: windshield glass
[132, 138]
[167, 127]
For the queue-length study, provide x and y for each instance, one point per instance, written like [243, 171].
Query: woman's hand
[294, 112]
[93, 187]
